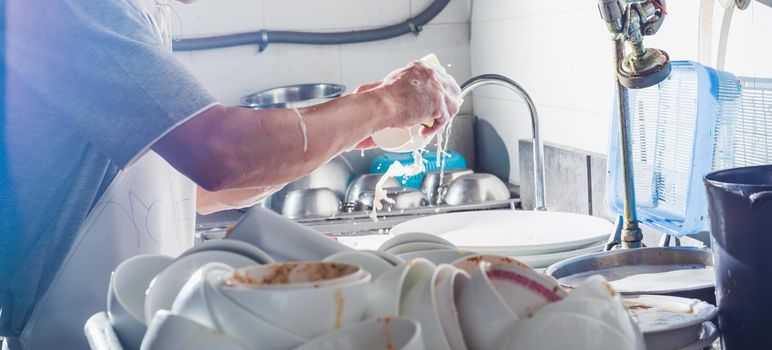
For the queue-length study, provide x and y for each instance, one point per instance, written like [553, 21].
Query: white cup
[438, 256]
[483, 314]
[421, 304]
[164, 288]
[368, 261]
[525, 290]
[202, 301]
[389, 289]
[308, 298]
[381, 333]
[560, 331]
[173, 332]
[126, 295]
[447, 287]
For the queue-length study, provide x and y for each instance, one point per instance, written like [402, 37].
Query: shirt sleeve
[112, 77]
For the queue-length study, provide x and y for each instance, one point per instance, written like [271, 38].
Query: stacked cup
[276, 306]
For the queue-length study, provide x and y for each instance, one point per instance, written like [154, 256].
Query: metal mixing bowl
[430, 185]
[476, 188]
[311, 203]
[366, 183]
[335, 175]
[293, 96]
[404, 198]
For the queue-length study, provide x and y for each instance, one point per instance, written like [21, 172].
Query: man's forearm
[235, 148]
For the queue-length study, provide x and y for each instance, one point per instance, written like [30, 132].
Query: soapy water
[395, 169]
[443, 136]
[303, 129]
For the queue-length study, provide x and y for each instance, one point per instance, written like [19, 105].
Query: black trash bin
[740, 209]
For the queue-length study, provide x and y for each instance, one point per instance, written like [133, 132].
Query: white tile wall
[233, 72]
[560, 52]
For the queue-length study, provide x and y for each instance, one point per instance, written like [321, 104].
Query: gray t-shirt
[89, 88]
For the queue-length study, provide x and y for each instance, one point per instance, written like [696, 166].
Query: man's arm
[227, 148]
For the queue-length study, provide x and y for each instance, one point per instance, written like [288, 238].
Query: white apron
[148, 208]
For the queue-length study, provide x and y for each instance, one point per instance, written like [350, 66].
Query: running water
[442, 154]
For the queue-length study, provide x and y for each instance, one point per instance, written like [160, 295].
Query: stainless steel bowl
[476, 188]
[404, 198]
[335, 175]
[624, 263]
[311, 203]
[293, 96]
[430, 185]
[366, 183]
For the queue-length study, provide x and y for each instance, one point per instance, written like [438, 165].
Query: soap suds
[303, 129]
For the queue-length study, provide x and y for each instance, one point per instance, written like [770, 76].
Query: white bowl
[390, 258]
[309, 311]
[380, 333]
[295, 275]
[409, 237]
[560, 331]
[173, 332]
[438, 256]
[369, 261]
[525, 290]
[401, 140]
[447, 287]
[408, 247]
[164, 288]
[484, 316]
[421, 304]
[126, 295]
[389, 289]
[233, 246]
[202, 301]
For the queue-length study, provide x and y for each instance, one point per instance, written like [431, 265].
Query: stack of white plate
[536, 238]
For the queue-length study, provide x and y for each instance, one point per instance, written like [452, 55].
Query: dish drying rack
[696, 121]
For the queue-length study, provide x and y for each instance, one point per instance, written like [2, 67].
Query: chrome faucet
[538, 147]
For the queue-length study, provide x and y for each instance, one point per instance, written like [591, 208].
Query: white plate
[708, 335]
[669, 322]
[517, 232]
[539, 261]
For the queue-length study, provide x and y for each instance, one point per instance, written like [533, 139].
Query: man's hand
[418, 92]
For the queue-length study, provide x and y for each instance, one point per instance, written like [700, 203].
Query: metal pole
[631, 235]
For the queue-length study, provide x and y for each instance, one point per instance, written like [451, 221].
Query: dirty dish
[173, 332]
[308, 298]
[560, 331]
[447, 287]
[438, 256]
[483, 314]
[367, 260]
[380, 333]
[164, 287]
[420, 304]
[389, 289]
[202, 301]
[669, 322]
[233, 246]
[126, 295]
[523, 289]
